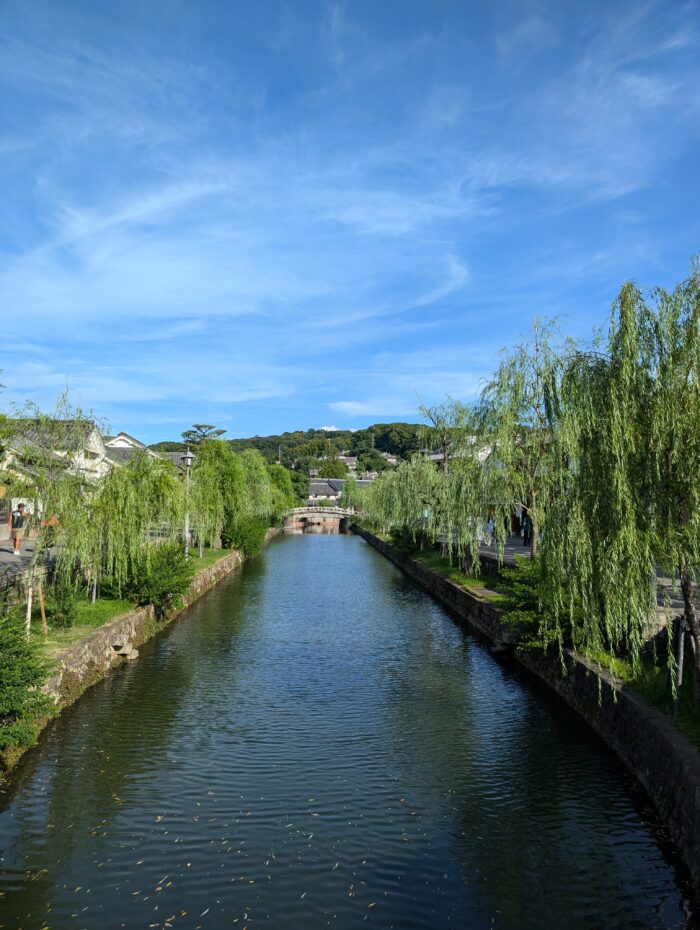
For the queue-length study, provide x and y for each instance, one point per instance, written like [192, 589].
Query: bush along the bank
[523, 589]
[162, 580]
[245, 533]
[22, 673]
[62, 606]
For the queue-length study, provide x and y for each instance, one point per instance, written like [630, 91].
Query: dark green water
[317, 744]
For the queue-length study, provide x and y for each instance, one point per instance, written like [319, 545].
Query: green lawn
[432, 560]
[90, 617]
[210, 557]
[652, 683]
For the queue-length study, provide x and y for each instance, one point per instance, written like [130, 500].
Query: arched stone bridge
[318, 519]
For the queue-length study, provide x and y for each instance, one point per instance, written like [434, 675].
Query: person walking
[18, 518]
[527, 529]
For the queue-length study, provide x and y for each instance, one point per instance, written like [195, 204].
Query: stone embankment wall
[663, 760]
[86, 662]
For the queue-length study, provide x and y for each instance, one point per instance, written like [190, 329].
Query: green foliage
[523, 590]
[408, 540]
[352, 496]
[246, 534]
[61, 605]
[22, 673]
[519, 417]
[282, 489]
[258, 496]
[372, 461]
[401, 439]
[200, 432]
[206, 504]
[108, 531]
[163, 579]
[332, 468]
[301, 484]
[631, 500]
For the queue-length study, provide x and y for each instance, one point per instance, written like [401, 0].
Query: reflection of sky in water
[317, 744]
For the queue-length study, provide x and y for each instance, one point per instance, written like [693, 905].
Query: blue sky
[283, 215]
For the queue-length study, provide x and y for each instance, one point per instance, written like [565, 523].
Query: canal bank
[78, 667]
[662, 758]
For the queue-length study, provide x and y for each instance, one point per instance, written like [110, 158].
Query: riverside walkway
[10, 564]
[668, 593]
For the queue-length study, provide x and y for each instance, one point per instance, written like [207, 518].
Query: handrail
[345, 511]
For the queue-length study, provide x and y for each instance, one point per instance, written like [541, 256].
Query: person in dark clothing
[527, 529]
[18, 518]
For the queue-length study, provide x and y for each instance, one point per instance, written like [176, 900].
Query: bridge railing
[335, 511]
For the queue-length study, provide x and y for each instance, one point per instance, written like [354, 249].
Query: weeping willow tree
[45, 462]
[448, 502]
[206, 497]
[283, 498]
[598, 553]
[257, 498]
[630, 501]
[406, 497]
[520, 408]
[109, 533]
[675, 447]
[475, 491]
[353, 495]
[445, 428]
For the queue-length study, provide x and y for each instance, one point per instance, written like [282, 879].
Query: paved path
[11, 564]
[514, 546]
[669, 597]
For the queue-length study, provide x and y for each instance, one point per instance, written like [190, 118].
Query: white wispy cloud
[285, 219]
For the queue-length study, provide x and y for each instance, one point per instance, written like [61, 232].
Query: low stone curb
[663, 759]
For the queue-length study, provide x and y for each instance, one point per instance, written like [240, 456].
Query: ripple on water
[317, 744]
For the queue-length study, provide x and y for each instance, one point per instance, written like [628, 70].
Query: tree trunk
[42, 608]
[94, 590]
[534, 522]
[693, 624]
[680, 660]
[28, 614]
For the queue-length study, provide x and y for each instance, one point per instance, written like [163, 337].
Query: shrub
[22, 672]
[163, 580]
[522, 586]
[247, 534]
[409, 539]
[61, 606]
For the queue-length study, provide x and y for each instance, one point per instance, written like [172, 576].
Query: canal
[315, 744]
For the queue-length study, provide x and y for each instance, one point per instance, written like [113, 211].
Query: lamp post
[187, 458]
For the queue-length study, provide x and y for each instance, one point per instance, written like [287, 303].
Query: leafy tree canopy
[198, 432]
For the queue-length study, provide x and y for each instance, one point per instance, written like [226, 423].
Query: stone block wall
[86, 662]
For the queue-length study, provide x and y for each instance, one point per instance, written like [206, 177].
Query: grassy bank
[652, 683]
[90, 617]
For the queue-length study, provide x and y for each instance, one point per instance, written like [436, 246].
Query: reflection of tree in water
[540, 814]
[119, 734]
[112, 736]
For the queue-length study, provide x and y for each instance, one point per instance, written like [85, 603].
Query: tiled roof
[121, 456]
[174, 457]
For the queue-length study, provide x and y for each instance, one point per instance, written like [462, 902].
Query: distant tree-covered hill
[400, 439]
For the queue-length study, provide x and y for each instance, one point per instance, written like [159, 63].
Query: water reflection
[317, 744]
